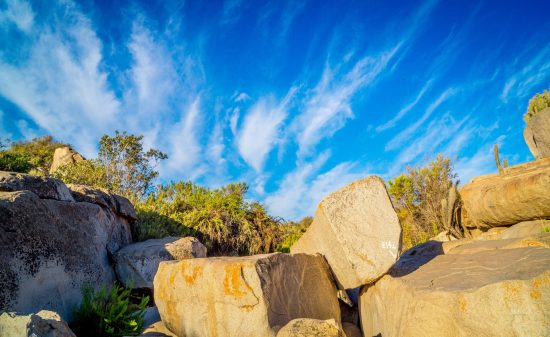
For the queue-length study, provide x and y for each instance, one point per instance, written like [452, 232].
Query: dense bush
[537, 103]
[14, 162]
[417, 197]
[293, 231]
[109, 313]
[33, 156]
[86, 172]
[221, 218]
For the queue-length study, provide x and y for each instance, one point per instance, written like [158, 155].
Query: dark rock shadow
[416, 257]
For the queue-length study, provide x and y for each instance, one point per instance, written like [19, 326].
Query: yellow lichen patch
[462, 304]
[247, 308]
[190, 278]
[535, 294]
[233, 283]
[537, 283]
[511, 288]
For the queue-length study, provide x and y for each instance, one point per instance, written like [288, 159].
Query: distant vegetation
[537, 103]
[33, 156]
[417, 196]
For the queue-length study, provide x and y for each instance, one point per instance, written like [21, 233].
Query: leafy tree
[221, 218]
[128, 169]
[417, 197]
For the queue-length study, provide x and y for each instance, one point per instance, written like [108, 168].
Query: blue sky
[296, 98]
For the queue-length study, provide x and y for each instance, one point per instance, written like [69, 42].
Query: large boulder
[42, 324]
[137, 263]
[45, 188]
[308, 327]
[244, 296]
[537, 134]
[358, 232]
[64, 156]
[477, 288]
[520, 193]
[49, 248]
[118, 204]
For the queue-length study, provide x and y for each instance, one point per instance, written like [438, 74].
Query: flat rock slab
[357, 230]
[489, 292]
[244, 296]
[520, 193]
[42, 324]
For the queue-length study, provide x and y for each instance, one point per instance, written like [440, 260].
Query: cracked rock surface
[244, 296]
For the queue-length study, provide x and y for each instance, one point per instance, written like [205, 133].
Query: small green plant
[546, 229]
[109, 313]
[537, 103]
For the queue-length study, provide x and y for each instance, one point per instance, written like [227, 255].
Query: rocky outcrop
[520, 193]
[302, 327]
[42, 324]
[51, 246]
[137, 263]
[243, 296]
[44, 188]
[118, 204]
[469, 288]
[537, 134]
[64, 156]
[157, 330]
[358, 232]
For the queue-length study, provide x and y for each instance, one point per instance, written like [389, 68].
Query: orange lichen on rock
[233, 282]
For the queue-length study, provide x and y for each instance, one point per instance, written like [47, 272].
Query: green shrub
[39, 152]
[109, 313]
[417, 196]
[546, 229]
[293, 231]
[221, 218]
[537, 103]
[86, 172]
[14, 162]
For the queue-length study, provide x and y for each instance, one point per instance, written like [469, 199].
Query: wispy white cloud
[231, 9]
[329, 103]
[60, 84]
[531, 75]
[19, 13]
[392, 122]
[409, 132]
[260, 130]
[302, 189]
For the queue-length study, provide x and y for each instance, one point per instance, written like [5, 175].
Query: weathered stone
[351, 330]
[157, 330]
[50, 248]
[243, 296]
[358, 232]
[520, 193]
[42, 324]
[526, 228]
[64, 156]
[138, 263]
[537, 134]
[308, 327]
[118, 204]
[45, 188]
[471, 291]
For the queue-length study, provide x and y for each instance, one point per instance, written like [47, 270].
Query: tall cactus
[497, 160]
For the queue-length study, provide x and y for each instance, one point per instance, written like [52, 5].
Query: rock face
[45, 188]
[358, 232]
[537, 134]
[51, 247]
[139, 262]
[307, 327]
[64, 156]
[243, 296]
[521, 193]
[476, 288]
[43, 324]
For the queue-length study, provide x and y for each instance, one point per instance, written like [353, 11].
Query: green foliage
[546, 229]
[537, 103]
[128, 168]
[86, 172]
[221, 218]
[14, 162]
[109, 313]
[417, 197]
[293, 231]
[39, 152]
